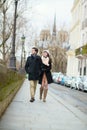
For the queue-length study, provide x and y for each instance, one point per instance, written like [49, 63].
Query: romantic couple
[38, 69]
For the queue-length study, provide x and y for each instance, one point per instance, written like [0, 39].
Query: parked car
[75, 83]
[68, 81]
[60, 79]
[83, 84]
[55, 76]
[64, 78]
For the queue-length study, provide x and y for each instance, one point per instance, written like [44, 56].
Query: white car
[83, 85]
[75, 83]
[68, 81]
[55, 76]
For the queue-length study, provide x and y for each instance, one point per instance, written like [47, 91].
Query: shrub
[8, 82]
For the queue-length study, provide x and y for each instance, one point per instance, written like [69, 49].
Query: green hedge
[8, 83]
[8, 78]
[83, 52]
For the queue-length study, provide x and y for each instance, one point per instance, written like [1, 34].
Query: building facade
[81, 52]
[77, 56]
[75, 39]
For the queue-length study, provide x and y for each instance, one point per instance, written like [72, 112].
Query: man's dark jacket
[33, 67]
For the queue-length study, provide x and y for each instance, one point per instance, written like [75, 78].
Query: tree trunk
[4, 34]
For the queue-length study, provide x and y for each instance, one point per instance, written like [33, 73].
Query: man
[33, 68]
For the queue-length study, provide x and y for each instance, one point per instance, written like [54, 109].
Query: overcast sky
[42, 16]
[45, 10]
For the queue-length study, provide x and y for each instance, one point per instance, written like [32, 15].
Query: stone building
[81, 51]
[78, 40]
[45, 38]
[63, 39]
[75, 39]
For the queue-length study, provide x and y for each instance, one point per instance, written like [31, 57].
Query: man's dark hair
[35, 49]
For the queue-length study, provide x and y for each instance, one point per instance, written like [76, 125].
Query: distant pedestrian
[45, 77]
[33, 68]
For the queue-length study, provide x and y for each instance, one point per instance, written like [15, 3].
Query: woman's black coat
[46, 69]
[33, 67]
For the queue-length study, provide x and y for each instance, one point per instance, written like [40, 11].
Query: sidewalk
[55, 114]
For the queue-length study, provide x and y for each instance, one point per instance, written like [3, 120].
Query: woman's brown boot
[41, 92]
[45, 95]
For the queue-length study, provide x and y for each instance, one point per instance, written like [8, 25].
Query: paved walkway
[55, 114]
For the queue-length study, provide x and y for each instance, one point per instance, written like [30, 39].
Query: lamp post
[22, 51]
[12, 56]
[24, 56]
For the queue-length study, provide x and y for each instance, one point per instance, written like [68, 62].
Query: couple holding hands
[39, 71]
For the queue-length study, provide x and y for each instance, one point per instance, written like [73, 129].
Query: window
[85, 70]
[79, 66]
[80, 71]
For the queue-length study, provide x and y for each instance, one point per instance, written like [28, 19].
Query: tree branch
[7, 50]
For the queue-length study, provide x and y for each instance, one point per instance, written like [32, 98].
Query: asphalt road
[74, 97]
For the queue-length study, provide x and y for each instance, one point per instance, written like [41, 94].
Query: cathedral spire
[54, 28]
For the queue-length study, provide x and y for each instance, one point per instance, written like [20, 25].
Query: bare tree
[6, 25]
[2, 2]
[6, 30]
[59, 59]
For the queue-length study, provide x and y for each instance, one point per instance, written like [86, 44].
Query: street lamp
[12, 56]
[24, 56]
[23, 50]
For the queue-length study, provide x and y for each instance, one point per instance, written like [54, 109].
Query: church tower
[54, 29]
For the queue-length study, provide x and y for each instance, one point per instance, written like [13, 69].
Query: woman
[45, 77]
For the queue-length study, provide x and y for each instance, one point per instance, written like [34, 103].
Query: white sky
[45, 10]
[42, 16]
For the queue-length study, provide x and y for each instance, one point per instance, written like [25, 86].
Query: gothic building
[56, 38]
